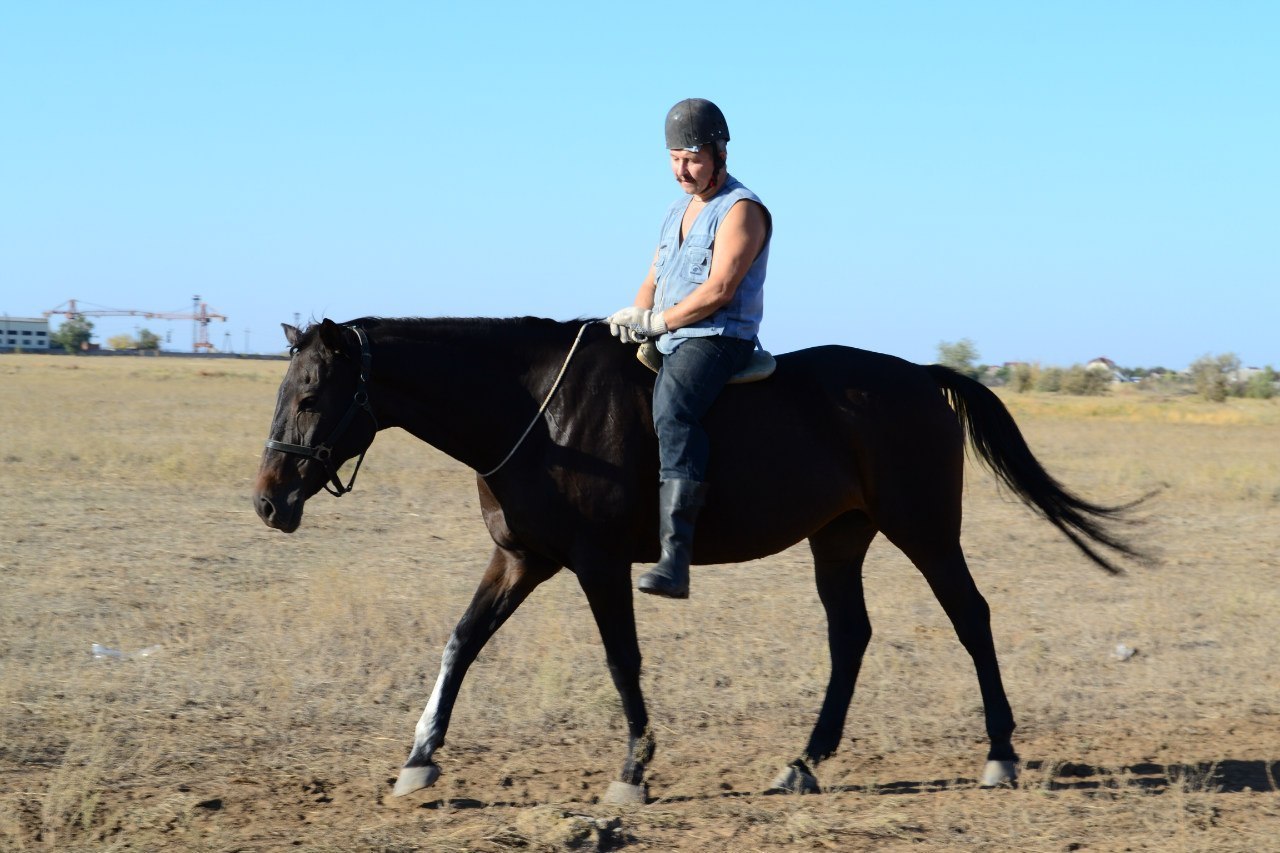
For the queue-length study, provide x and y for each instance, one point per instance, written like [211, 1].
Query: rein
[545, 402]
[323, 452]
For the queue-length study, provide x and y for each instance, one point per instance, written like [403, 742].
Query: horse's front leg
[510, 578]
[608, 590]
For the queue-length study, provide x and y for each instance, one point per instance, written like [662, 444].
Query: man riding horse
[702, 301]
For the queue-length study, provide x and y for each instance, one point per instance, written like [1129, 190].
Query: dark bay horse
[839, 445]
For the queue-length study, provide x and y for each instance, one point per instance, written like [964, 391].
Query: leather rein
[323, 452]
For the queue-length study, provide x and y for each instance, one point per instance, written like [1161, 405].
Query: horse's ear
[331, 336]
[291, 334]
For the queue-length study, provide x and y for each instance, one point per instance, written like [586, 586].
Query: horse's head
[322, 419]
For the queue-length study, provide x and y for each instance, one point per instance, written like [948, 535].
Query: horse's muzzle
[278, 508]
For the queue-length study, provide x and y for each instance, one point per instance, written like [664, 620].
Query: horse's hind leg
[609, 594]
[945, 569]
[838, 551]
[510, 578]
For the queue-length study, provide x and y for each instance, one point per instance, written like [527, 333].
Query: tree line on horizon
[1212, 377]
[75, 333]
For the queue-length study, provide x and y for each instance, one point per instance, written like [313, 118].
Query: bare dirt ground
[291, 670]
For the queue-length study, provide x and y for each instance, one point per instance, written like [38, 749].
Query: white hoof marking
[998, 772]
[793, 780]
[624, 794]
[415, 778]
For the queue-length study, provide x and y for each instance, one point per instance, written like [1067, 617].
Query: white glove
[634, 325]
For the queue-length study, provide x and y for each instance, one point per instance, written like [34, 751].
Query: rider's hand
[634, 325]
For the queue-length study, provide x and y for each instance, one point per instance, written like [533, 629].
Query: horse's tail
[995, 437]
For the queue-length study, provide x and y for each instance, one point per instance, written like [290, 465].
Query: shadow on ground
[1228, 776]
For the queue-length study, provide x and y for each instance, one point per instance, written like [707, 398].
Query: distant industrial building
[24, 333]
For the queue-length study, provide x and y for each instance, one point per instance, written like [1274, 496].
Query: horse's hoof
[795, 780]
[415, 778]
[624, 794]
[999, 772]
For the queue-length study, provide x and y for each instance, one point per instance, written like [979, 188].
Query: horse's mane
[468, 325]
[514, 329]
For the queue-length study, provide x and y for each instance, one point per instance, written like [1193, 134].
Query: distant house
[24, 333]
[1105, 364]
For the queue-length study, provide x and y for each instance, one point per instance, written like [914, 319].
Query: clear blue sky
[1055, 181]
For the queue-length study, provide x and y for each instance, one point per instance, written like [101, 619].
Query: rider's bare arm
[739, 239]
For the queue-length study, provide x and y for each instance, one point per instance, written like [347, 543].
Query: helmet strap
[718, 162]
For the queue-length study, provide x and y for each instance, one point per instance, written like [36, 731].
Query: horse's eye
[307, 404]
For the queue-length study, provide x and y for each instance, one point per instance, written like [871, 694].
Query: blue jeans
[690, 380]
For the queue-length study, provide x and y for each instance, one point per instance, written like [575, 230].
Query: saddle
[761, 365]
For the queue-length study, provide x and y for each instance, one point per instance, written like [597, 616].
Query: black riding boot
[678, 504]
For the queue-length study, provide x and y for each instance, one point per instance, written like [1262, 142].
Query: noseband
[323, 452]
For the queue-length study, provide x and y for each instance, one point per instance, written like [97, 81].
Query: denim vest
[681, 267]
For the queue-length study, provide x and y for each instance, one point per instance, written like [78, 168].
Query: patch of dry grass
[1131, 405]
[1219, 452]
[292, 669]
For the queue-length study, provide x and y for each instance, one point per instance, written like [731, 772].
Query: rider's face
[693, 172]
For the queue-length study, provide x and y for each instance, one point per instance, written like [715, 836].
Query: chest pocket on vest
[664, 249]
[697, 257]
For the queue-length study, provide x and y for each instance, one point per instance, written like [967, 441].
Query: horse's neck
[467, 396]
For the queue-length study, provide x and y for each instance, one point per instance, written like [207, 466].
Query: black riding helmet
[695, 122]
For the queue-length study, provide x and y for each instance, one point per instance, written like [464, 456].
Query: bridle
[323, 452]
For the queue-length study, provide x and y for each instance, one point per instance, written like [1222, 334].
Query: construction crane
[199, 315]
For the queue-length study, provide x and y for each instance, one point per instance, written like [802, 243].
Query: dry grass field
[291, 669]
